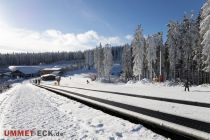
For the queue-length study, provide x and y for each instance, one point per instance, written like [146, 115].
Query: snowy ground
[197, 94]
[26, 107]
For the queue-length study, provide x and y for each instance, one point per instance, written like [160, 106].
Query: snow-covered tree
[151, 54]
[89, 58]
[198, 47]
[197, 51]
[95, 52]
[190, 39]
[127, 62]
[98, 60]
[205, 34]
[108, 60]
[183, 44]
[173, 43]
[154, 44]
[138, 48]
[185, 57]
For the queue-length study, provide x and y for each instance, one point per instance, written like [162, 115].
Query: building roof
[56, 72]
[4, 70]
[25, 69]
[52, 69]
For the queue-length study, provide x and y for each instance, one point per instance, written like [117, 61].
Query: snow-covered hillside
[26, 107]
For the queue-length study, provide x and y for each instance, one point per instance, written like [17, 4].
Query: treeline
[39, 58]
[49, 57]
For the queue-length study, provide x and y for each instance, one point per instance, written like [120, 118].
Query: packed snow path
[26, 107]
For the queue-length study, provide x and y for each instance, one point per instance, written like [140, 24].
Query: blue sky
[105, 19]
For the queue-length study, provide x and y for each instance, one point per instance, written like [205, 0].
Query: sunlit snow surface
[27, 107]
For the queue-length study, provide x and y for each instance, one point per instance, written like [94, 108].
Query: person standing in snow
[39, 81]
[58, 79]
[187, 85]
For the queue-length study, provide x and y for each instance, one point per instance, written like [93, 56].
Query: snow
[26, 107]
[46, 75]
[25, 69]
[53, 69]
[145, 118]
[172, 108]
[145, 87]
[144, 81]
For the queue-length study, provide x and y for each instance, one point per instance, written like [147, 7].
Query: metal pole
[160, 62]
[160, 77]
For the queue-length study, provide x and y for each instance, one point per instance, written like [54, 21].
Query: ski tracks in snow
[26, 107]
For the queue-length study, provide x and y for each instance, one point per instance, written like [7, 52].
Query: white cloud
[22, 40]
[129, 37]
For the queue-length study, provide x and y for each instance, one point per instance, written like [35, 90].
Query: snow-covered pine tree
[173, 42]
[138, 48]
[108, 60]
[89, 58]
[98, 60]
[95, 53]
[185, 57]
[166, 63]
[154, 44]
[205, 34]
[151, 55]
[189, 37]
[101, 64]
[197, 51]
[86, 53]
[127, 62]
